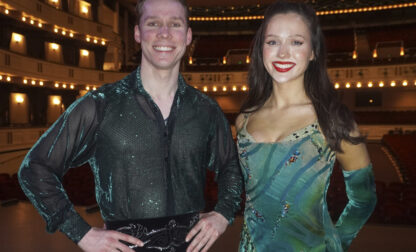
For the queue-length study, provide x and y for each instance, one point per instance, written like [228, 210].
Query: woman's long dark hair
[334, 118]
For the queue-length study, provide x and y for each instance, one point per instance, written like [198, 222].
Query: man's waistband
[158, 234]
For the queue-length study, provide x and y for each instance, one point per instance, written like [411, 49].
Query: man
[149, 139]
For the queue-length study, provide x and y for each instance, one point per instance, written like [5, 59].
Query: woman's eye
[271, 42]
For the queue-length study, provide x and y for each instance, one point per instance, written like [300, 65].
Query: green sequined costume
[286, 184]
[143, 167]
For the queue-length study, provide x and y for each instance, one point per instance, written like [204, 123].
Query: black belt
[158, 234]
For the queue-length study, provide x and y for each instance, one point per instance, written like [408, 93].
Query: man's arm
[224, 161]
[67, 143]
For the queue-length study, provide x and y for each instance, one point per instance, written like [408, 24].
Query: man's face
[163, 34]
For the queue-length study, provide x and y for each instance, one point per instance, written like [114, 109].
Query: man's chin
[165, 65]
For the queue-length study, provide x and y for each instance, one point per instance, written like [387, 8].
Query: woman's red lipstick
[283, 66]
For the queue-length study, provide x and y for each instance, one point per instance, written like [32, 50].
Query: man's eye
[152, 24]
[175, 25]
[297, 42]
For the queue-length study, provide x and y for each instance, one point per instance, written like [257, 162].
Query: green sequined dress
[286, 184]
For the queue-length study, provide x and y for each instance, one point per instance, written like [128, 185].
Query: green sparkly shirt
[143, 167]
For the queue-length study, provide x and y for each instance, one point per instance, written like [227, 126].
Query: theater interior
[55, 51]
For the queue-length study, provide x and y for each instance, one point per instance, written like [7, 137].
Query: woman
[290, 131]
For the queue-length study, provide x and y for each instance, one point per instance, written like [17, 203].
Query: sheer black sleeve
[69, 142]
[224, 161]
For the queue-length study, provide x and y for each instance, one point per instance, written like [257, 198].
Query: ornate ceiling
[318, 4]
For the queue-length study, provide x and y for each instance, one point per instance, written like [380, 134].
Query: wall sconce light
[88, 39]
[33, 82]
[224, 88]
[24, 19]
[54, 1]
[19, 99]
[354, 54]
[57, 85]
[71, 34]
[87, 88]
[234, 88]
[348, 85]
[41, 83]
[40, 25]
[8, 78]
[336, 85]
[24, 81]
[55, 30]
[54, 46]
[94, 88]
[404, 83]
[32, 22]
[103, 42]
[71, 87]
[381, 84]
[375, 53]
[84, 52]
[1, 77]
[190, 61]
[392, 83]
[63, 85]
[63, 32]
[6, 11]
[359, 85]
[247, 59]
[84, 9]
[17, 37]
[214, 88]
[95, 41]
[205, 89]
[224, 60]
[244, 88]
[56, 101]
[401, 51]
[370, 84]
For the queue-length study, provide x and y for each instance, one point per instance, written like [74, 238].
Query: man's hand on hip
[210, 226]
[98, 239]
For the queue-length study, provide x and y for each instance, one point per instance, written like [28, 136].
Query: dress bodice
[286, 184]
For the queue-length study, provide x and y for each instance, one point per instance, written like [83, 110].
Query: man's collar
[181, 83]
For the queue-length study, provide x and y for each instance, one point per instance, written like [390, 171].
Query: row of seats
[385, 117]
[337, 42]
[10, 188]
[403, 147]
[396, 202]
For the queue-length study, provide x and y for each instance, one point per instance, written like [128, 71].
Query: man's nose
[164, 31]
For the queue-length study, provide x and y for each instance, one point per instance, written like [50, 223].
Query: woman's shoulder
[241, 119]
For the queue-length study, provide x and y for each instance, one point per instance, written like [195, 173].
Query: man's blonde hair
[139, 10]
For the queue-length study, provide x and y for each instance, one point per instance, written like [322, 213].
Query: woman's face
[287, 48]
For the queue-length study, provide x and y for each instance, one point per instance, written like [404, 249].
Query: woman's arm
[360, 188]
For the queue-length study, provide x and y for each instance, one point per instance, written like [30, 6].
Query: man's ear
[189, 36]
[137, 34]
